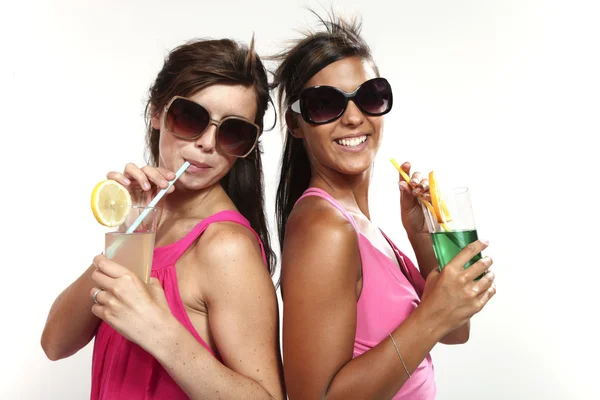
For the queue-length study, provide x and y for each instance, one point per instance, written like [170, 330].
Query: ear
[292, 125]
[155, 117]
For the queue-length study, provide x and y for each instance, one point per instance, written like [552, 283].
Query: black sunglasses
[188, 120]
[324, 104]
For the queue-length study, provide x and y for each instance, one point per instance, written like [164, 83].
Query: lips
[198, 164]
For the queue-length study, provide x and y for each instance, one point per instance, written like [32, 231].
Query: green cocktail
[451, 223]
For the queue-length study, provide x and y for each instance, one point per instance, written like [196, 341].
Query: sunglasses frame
[210, 122]
[295, 107]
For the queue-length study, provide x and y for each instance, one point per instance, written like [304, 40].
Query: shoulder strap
[327, 197]
[198, 230]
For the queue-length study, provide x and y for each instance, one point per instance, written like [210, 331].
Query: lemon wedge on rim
[111, 203]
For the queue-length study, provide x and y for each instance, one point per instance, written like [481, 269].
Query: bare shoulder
[320, 244]
[315, 215]
[228, 241]
[230, 257]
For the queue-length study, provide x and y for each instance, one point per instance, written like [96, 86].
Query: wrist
[432, 325]
[163, 337]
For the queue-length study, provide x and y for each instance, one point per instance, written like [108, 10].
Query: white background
[502, 96]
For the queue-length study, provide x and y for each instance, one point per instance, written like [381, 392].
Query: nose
[207, 142]
[352, 116]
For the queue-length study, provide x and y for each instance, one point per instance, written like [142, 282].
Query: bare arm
[70, 324]
[242, 311]
[423, 248]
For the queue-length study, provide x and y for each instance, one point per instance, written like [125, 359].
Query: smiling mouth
[352, 142]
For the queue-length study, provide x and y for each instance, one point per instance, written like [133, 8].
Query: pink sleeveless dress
[121, 370]
[388, 296]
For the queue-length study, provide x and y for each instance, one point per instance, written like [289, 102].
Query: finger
[102, 280]
[424, 185]
[486, 296]
[108, 267]
[470, 251]
[166, 173]
[101, 296]
[155, 288]
[405, 187]
[155, 176]
[483, 284]
[404, 172]
[415, 182]
[119, 177]
[98, 311]
[480, 267]
[416, 179]
[407, 198]
[136, 174]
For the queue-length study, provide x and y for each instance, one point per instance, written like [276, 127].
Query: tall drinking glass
[451, 224]
[134, 250]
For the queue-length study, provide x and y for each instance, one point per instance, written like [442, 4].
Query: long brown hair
[192, 67]
[339, 39]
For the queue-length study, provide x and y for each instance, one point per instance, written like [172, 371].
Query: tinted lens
[237, 137]
[186, 118]
[374, 96]
[323, 103]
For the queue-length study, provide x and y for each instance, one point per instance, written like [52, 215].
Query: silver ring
[95, 295]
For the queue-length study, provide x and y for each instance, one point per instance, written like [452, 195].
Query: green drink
[447, 245]
[454, 231]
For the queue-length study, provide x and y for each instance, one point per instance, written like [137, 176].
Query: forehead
[346, 74]
[222, 100]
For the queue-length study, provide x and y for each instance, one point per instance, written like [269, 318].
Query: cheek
[168, 148]
[316, 138]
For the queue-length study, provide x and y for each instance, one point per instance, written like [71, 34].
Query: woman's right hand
[143, 183]
[452, 296]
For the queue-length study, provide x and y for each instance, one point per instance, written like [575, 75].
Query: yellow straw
[427, 204]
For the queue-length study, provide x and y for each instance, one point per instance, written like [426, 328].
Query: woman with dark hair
[359, 319]
[206, 326]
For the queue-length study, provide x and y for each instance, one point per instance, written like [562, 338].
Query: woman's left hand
[411, 211]
[126, 303]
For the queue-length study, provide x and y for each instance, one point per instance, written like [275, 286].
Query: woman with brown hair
[359, 319]
[206, 326]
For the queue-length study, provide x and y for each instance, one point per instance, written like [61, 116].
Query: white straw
[110, 252]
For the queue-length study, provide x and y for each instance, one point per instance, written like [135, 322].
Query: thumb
[431, 280]
[156, 290]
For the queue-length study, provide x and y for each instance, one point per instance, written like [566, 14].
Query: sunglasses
[188, 120]
[324, 104]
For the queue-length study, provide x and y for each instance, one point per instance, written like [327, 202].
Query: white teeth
[353, 142]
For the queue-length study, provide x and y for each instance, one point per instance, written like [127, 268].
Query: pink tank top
[388, 296]
[121, 370]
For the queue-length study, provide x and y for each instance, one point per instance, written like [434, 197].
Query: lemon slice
[441, 210]
[111, 203]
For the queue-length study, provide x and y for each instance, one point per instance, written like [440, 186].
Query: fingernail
[126, 181]
[146, 186]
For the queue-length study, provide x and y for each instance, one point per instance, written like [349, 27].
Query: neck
[352, 191]
[193, 204]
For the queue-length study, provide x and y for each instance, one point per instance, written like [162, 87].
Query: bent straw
[110, 252]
